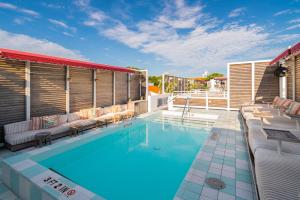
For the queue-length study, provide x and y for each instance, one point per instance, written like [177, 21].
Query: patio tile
[244, 194]
[211, 193]
[224, 196]
[187, 195]
[244, 186]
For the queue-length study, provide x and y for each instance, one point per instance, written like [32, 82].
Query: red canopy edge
[32, 57]
[286, 53]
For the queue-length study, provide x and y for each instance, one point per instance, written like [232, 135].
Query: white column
[94, 89]
[282, 87]
[128, 85]
[67, 89]
[27, 89]
[163, 84]
[253, 82]
[114, 88]
[228, 87]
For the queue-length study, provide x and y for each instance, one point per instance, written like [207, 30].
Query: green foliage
[156, 80]
[213, 75]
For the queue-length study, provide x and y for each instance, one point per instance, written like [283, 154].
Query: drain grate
[215, 183]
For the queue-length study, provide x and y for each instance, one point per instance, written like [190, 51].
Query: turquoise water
[147, 160]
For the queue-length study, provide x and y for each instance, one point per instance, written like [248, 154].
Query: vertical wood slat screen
[121, 87]
[240, 84]
[48, 94]
[297, 77]
[81, 89]
[266, 85]
[12, 92]
[135, 86]
[289, 78]
[104, 88]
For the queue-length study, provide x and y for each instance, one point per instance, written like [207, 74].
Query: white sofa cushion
[58, 129]
[19, 138]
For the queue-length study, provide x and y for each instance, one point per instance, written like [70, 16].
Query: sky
[179, 37]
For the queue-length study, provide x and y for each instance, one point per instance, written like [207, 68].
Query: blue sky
[168, 36]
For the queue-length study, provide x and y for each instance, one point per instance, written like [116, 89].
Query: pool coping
[30, 180]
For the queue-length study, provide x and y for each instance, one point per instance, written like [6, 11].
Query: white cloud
[287, 11]
[237, 12]
[27, 43]
[18, 9]
[293, 27]
[22, 20]
[294, 21]
[63, 25]
[205, 41]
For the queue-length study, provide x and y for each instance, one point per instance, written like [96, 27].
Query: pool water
[145, 160]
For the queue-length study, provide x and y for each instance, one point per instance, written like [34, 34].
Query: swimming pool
[145, 159]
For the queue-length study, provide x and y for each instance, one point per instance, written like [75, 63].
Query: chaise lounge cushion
[19, 138]
[278, 176]
[58, 129]
[83, 122]
[257, 140]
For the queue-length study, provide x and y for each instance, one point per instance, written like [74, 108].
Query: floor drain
[215, 183]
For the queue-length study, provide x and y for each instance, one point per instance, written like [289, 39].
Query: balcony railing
[201, 94]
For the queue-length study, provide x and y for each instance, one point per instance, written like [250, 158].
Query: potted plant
[281, 71]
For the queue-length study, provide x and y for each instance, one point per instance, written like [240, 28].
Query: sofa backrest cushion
[36, 123]
[50, 121]
[108, 109]
[17, 127]
[285, 103]
[62, 119]
[123, 107]
[74, 116]
[130, 106]
[276, 100]
[86, 113]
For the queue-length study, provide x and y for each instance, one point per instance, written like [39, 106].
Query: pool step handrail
[187, 107]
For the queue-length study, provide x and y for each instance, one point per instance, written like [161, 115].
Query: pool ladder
[186, 109]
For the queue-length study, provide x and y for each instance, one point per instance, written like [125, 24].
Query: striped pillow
[99, 112]
[276, 100]
[36, 123]
[293, 109]
[285, 103]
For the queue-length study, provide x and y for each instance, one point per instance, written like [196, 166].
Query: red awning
[286, 53]
[32, 57]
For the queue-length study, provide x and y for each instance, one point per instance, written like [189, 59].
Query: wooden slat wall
[289, 79]
[135, 86]
[297, 77]
[121, 87]
[240, 84]
[81, 89]
[266, 85]
[48, 94]
[104, 88]
[219, 103]
[12, 92]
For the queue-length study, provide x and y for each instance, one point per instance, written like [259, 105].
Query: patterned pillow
[50, 121]
[99, 112]
[293, 109]
[36, 123]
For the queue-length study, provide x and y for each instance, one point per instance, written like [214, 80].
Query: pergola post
[94, 90]
[128, 85]
[27, 89]
[67, 90]
[114, 88]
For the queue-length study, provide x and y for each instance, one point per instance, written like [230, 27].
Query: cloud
[294, 21]
[31, 44]
[296, 26]
[186, 38]
[237, 12]
[53, 6]
[9, 6]
[63, 25]
[287, 11]
[22, 20]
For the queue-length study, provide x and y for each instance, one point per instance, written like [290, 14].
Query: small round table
[43, 137]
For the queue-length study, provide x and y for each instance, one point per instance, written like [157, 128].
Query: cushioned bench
[278, 176]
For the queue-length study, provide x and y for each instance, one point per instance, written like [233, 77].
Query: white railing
[201, 94]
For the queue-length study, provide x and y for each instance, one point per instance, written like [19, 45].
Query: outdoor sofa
[277, 175]
[22, 134]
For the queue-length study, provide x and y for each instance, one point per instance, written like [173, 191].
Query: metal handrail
[187, 105]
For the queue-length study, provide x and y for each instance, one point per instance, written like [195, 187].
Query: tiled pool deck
[224, 156]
